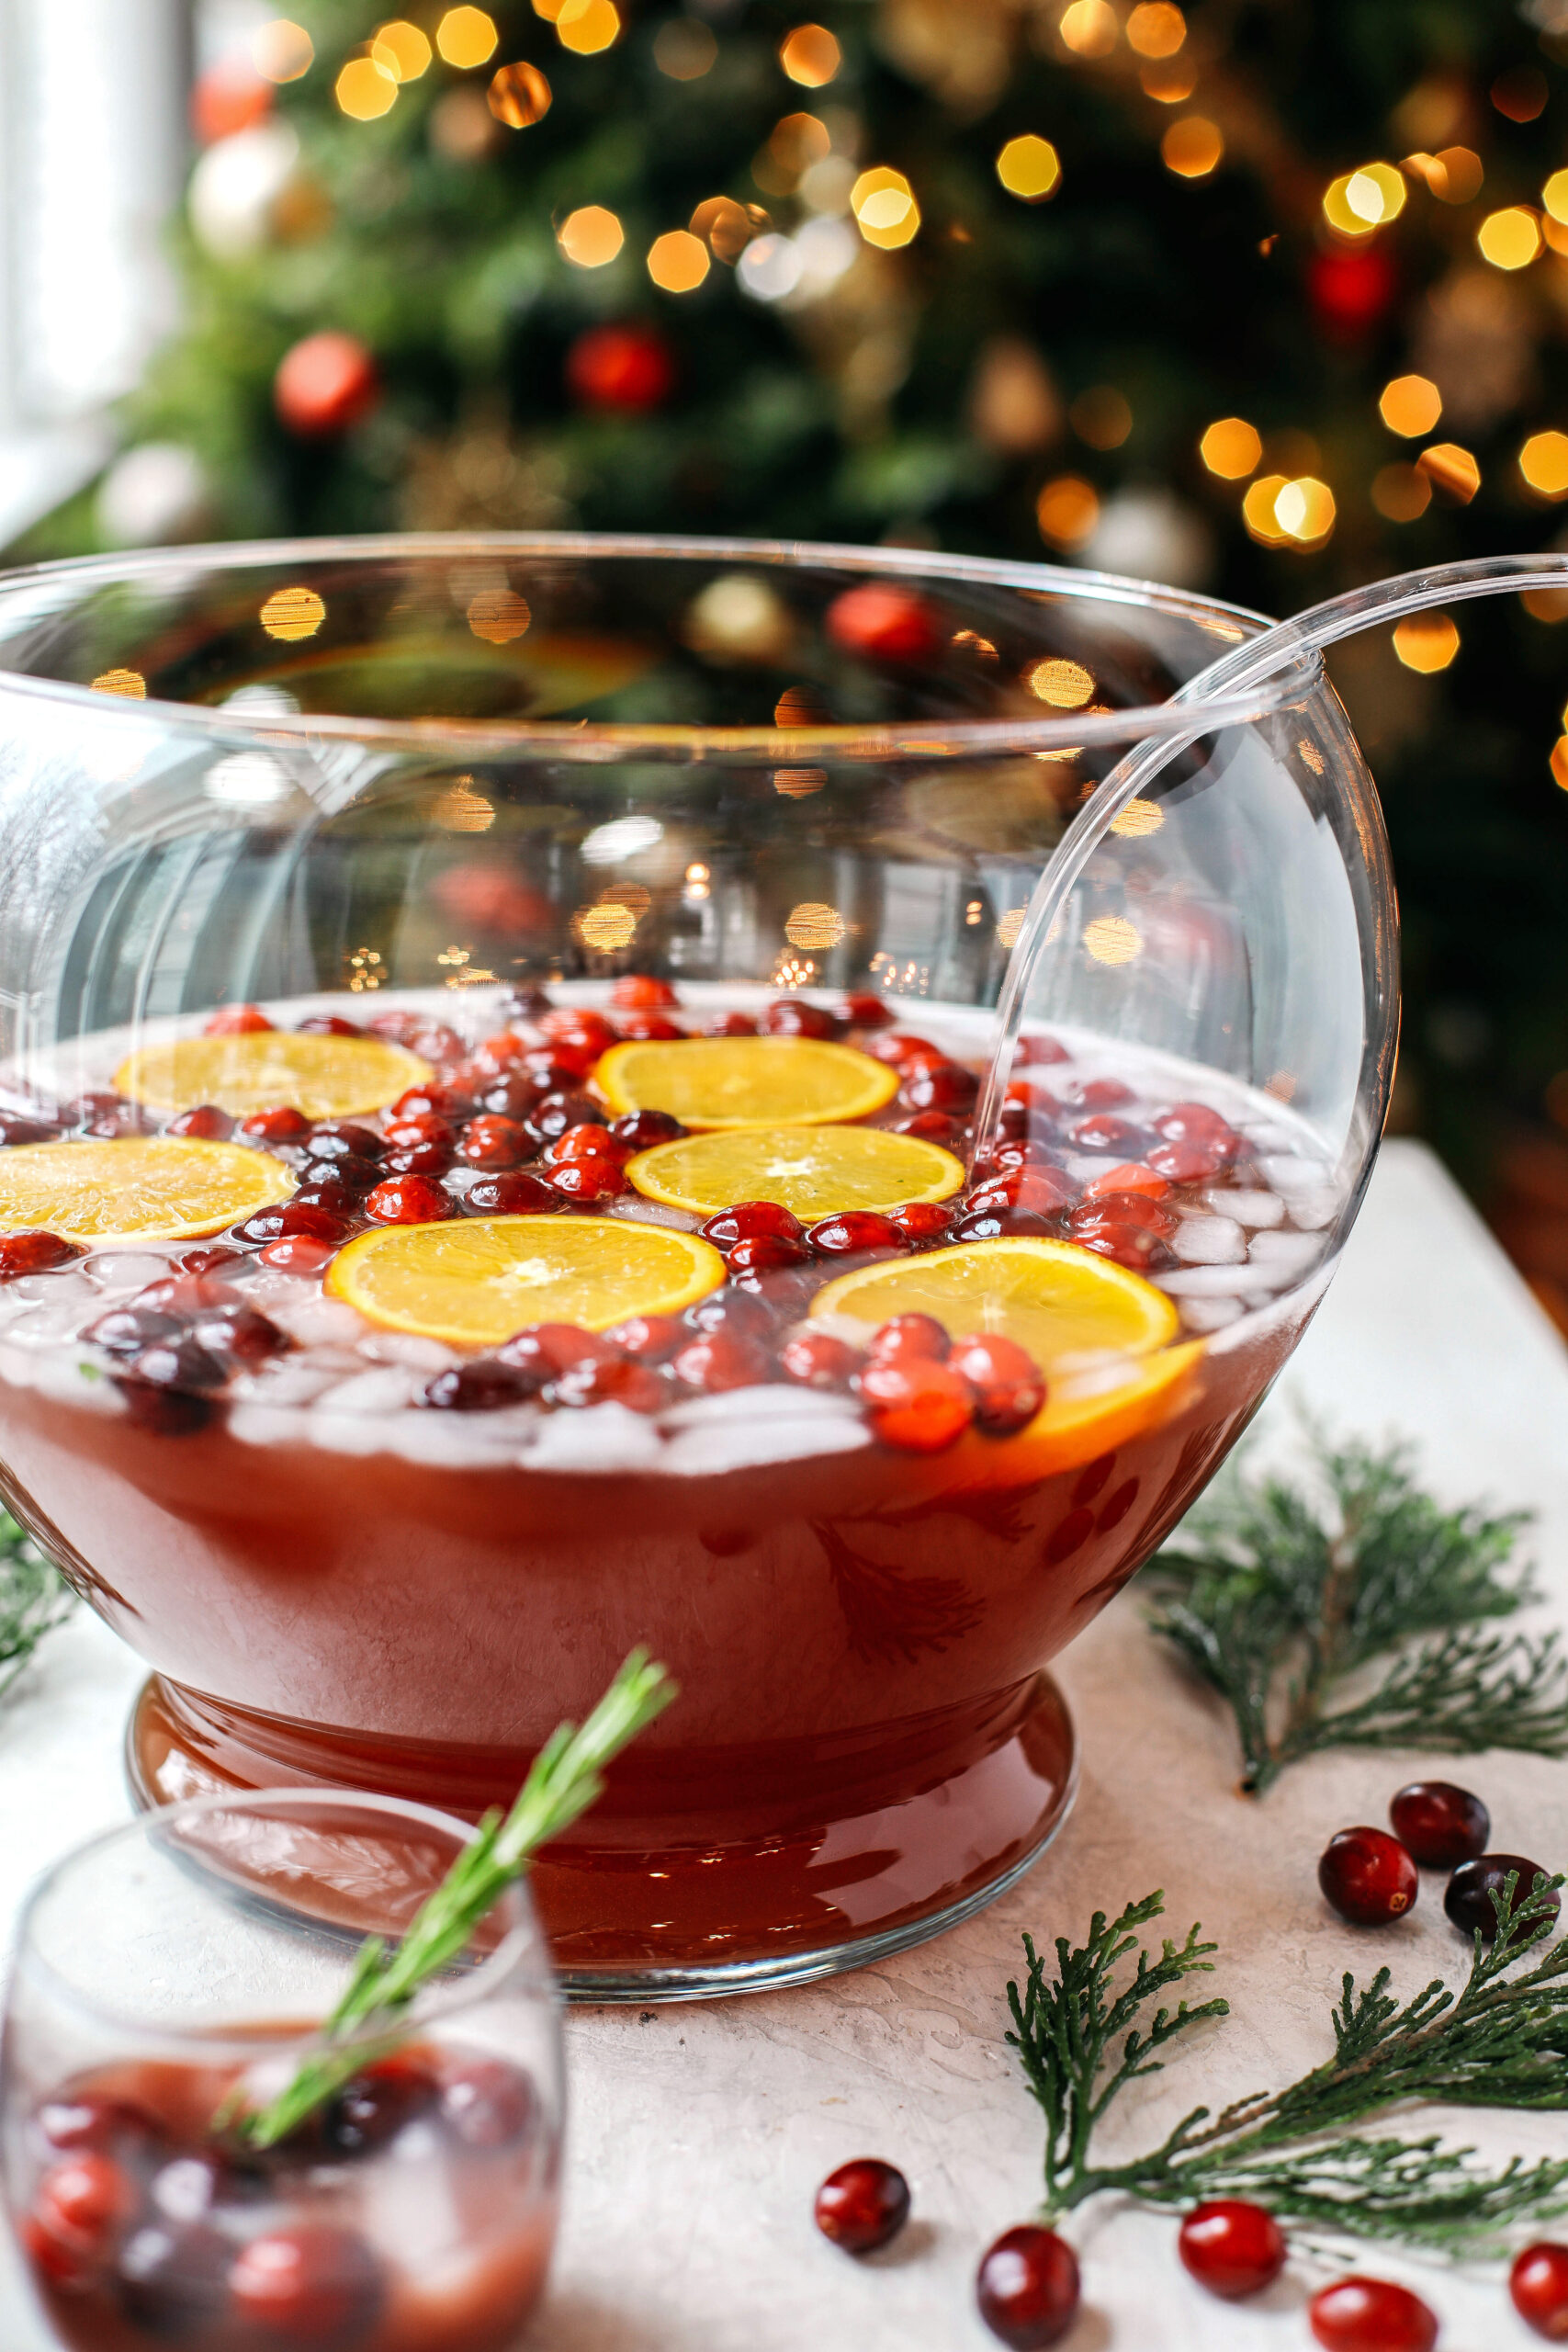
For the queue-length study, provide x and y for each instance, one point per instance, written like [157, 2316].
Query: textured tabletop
[698, 2132]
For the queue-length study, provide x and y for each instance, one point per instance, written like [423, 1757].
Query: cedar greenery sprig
[1500, 2040]
[34, 1598]
[1285, 1600]
[565, 1778]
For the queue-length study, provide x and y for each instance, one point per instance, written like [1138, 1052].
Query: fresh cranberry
[1370, 2316]
[733, 1311]
[284, 1125]
[1027, 2287]
[908, 1338]
[1043, 1190]
[181, 1294]
[288, 1219]
[482, 1386]
[1037, 1050]
[514, 1096]
[640, 1130]
[817, 1360]
[1182, 1163]
[731, 1024]
[1195, 1122]
[1538, 2286]
[332, 1194]
[1104, 1094]
[576, 1025]
[649, 1028]
[494, 1054]
[355, 1175]
[1442, 1825]
[79, 2211]
[1368, 1877]
[1468, 1896]
[15, 1130]
[162, 1412]
[918, 1407]
[559, 1068]
[184, 1364]
[408, 1200]
[748, 1221]
[309, 2284]
[206, 1122]
[215, 1260]
[492, 1142]
[586, 1143]
[419, 1159]
[1149, 1215]
[863, 2205]
[922, 1225]
[719, 1361]
[993, 1224]
[899, 1046]
[939, 1086]
[1125, 1244]
[1009, 1385]
[584, 1181]
[33, 1253]
[765, 1253]
[402, 1135]
[639, 1386]
[648, 1339]
[1015, 1153]
[241, 1332]
[513, 1194]
[296, 1253]
[866, 1012]
[543, 1350]
[345, 1139]
[487, 2104]
[640, 992]
[96, 1114]
[850, 1230]
[1232, 2247]
[235, 1021]
[126, 1330]
[369, 2111]
[554, 1114]
[448, 1103]
[90, 2120]
[791, 1016]
[527, 1001]
[172, 2278]
[1103, 1131]
[931, 1127]
[328, 1024]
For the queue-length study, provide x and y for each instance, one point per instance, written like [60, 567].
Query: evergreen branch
[1501, 2041]
[1284, 1602]
[565, 1778]
[34, 1598]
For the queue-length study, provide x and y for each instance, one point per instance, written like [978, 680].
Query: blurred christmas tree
[1270, 296]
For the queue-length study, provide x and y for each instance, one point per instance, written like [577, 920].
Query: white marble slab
[699, 2132]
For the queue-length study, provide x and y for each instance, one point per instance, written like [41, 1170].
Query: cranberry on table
[1232, 2247]
[1027, 2287]
[903, 1337]
[1538, 2284]
[494, 1142]
[235, 1021]
[408, 1200]
[1368, 1877]
[748, 1221]
[1359, 2314]
[790, 1016]
[33, 1253]
[309, 2284]
[863, 2205]
[482, 1386]
[718, 1360]
[853, 1230]
[206, 1122]
[286, 1125]
[917, 1407]
[1009, 1385]
[1467, 1898]
[817, 1360]
[514, 1193]
[640, 1130]
[486, 2104]
[1440, 1825]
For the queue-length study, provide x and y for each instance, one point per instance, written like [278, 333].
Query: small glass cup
[170, 1976]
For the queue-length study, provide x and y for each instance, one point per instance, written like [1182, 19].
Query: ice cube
[1216, 1282]
[1209, 1241]
[1248, 1209]
[311, 1319]
[606, 1437]
[125, 1269]
[407, 1348]
[769, 1400]
[1313, 1209]
[1289, 1173]
[387, 1389]
[1210, 1314]
[46, 1327]
[710, 1448]
[1286, 1254]
[641, 1212]
[1267, 1137]
[53, 1290]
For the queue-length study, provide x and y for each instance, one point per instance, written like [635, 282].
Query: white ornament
[1150, 535]
[235, 186]
[152, 495]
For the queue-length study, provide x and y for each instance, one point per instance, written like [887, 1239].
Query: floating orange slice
[326, 1078]
[136, 1188]
[814, 1171]
[745, 1081]
[475, 1282]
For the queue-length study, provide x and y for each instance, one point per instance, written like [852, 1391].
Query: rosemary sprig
[1285, 1600]
[565, 1778]
[1500, 2040]
[34, 1598]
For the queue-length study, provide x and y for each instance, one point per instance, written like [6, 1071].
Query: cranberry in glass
[789, 1016]
[863, 2205]
[179, 1294]
[450, 1103]
[423, 1127]
[863, 1012]
[312, 2283]
[639, 1386]
[356, 1176]
[345, 1139]
[1538, 2284]
[284, 1124]
[513, 1194]
[1104, 1094]
[183, 1363]
[1044, 1191]
[173, 2277]
[514, 1096]
[1009, 1385]
[33, 1253]
[853, 1230]
[1141, 1209]
[905, 1337]
[124, 1331]
[748, 1221]
[931, 1126]
[718, 1360]
[817, 1360]
[765, 1253]
[1440, 1825]
[79, 2209]
[588, 1180]
[554, 1114]
[899, 1046]
[572, 1025]
[418, 1159]
[214, 1260]
[235, 1021]
[1196, 1123]
[640, 1130]
[939, 1086]
[289, 1217]
[649, 1028]
[92, 2120]
[923, 1225]
[1368, 1877]
[15, 1130]
[372, 2108]
[557, 1068]
[730, 1310]
[545, 1351]
[1467, 1898]
[586, 1143]
[482, 1386]
[1103, 1132]
[487, 2104]
[328, 1024]
[649, 1339]
[640, 992]
[408, 1200]
[1359, 2314]
[493, 1142]
[1124, 1244]
[917, 1407]
[296, 1253]
[993, 1224]
[338, 1199]
[206, 1122]
[493, 1054]
[163, 1412]
[1232, 2247]
[1027, 2287]
[731, 1024]
[241, 1332]
[1040, 1049]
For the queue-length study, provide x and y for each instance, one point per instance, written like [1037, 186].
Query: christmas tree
[1268, 298]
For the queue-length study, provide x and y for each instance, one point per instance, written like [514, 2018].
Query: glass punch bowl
[1080, 999]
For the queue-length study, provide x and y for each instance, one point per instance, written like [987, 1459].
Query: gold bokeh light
[1102, 416]
[1030, 167]
[1192, 148]
[587, 27]
[1451, 470]
[1410, 405]
[1111, 938]
[884, 207]
[1554, 196]
[363, 91]
[678, 262]
[282, 50]
[590, 236]
[1509, 239]
[1231, 447]
[1368, 198]
[1088, 27]
[1066, 510]
[1156, 28]
[1258, 510]
[1544, 462]
[1138, 819]
[401, 49]
[1066, 685]
[1401, 492]
[467, 36]
[291, 614]
[1426, 642]
[519, 95]
[499, 615]
[128, 683]
[811, 56]
[1305, 511]
[814, 925]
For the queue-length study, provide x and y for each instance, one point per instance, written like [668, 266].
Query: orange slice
[136, 1188]
[326, 1078]
[475, 1282]
[745, 1081]
[815, 1171]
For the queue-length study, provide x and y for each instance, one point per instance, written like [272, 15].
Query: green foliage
[33, 1600]
[1357, 1613]
[1498, 2041]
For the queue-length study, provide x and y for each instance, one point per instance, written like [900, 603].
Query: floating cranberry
[993, 1224]
[401, 1134]
[296, 1253]
[1126, 1244]
[345, 1139]
[235, 1021]
[173, 2279]
[864, 1011]
[585, 1180]
[1027, 2287]
[648, 1339]
[514, 1194]
[1104, 1094]
[184, 1364]
[749, 1220]
[574, 1024]
[918, 1406]
[1149, 1215]
[328, 1024]
[125, 1331]
[494, 1054]
[1440, 1825]
[309, 2284]
[817, 1360]
[731, 1024]
[1103, 1131]
[720, 1360]
[922, 1225]
[337, 1199]
[493, 1142]
[863, 2205]
[1368, 1877]
[408, 1200]
[908, 1338]
[241, 1332]
[369, 2111]
[586, 1143]
[853, 1230]
[899, 1046]
[356, 1176]
[1538, 2284]
[884, 622]
[931, 1127]
[559, 1068]
[206, 1122]
[1468, 1896]
[639, 1386]
[791, 1016]
[651, 1028]
[89, 2119]
[15, 1129]
[1230, 2247]
[1009, 1385]
[545, 1351]
[743, 1317]
[79, 2209]
[419, 1159]
[450, 1103]
[482, 1386]
[1129, 1180]
[1043, 1192]
[514, 1096]
[554, 1114]
[527, 1001]
[1195, 1122]
[163, 1412]
[215, 1260]
[487, 2104]
[765, 1253]
[1037, 1050]
[640, 1130]
[1182, 1163]
[939, 1086]
[33, 1253]
[289, 1217]
[1370, 2316]
[640, 992]
[284, 1125]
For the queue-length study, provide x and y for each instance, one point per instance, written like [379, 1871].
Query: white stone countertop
[698, 2132]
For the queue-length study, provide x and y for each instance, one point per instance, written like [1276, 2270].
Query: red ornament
[885, 623]
[325, 384]
[1351, 293]
[627, 370]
